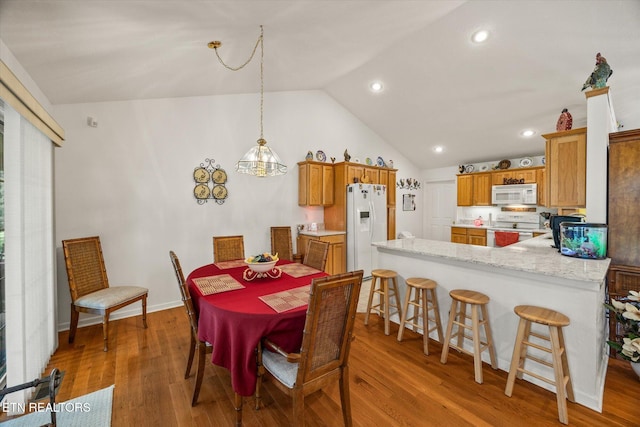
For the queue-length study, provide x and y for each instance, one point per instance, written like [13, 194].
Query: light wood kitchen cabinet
[470, 236]
[391, 189]
[373, 175]
[315, 184]
[465, 190]
[566, 161]
[528, 176]
[336, 257]
[458, 235]
[482, 189]
[391, 223]
[474, 189]
[344, 173]
[541, 180]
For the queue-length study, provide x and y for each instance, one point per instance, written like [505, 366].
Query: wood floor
[392, 384]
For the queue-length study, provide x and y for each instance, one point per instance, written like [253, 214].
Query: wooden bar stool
[385, 292]
[562, 381]
[477, 301]
[424, 300]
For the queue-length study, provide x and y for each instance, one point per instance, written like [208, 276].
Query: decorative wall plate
[219, 192]
[201, 175]
[320, 156]
[469, 169]
[201, 191]
[210, 181]
[380, 162]
[484, 168]
[368, 161]
[219, 176]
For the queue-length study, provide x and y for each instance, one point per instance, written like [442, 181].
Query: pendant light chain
[260, 160]
[259, 42]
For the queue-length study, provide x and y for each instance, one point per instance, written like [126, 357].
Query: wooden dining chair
[281, 242]
[89, 285]
[316, 255]
[202, 347]
[324, 353]
[228, 248]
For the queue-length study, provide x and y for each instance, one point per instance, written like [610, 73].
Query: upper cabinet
[315, 184]
[566, 160]
[474, 189]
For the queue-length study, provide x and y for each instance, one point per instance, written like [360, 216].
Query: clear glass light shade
[260, 161]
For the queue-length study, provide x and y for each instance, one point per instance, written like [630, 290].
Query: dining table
[233, 311]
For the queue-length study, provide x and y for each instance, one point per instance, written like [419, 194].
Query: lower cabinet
[469, 236]
[337, 256]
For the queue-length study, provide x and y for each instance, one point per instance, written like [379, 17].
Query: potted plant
[627, 313]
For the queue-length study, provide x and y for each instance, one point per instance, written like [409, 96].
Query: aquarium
[583, 240]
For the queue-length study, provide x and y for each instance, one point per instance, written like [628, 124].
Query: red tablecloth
[235, 321]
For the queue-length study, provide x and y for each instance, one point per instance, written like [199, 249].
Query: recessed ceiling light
[480, 36]
[438, 149]
[376, 86]
[527, 133]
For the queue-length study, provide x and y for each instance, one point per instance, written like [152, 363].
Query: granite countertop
[321, 233]
[493, 227]
[532, 256]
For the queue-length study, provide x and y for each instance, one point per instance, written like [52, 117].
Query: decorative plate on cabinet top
[526, 162]
[469, 169]
[380, 162]
[320, 156]
[484, 168]
[504, 164]
[368, 161]
[356, 160]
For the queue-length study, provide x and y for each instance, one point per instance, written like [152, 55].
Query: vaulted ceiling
[440, 88]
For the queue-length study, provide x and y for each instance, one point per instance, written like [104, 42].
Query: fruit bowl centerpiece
[262, 265]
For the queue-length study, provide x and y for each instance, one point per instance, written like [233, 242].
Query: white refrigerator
[366, 223]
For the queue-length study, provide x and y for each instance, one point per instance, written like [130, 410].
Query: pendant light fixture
[260, 160]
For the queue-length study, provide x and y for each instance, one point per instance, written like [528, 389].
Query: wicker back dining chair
[316, 255]
[228, 248]
[324, 354]
[89, 285]
[203, 347]
[281, 242]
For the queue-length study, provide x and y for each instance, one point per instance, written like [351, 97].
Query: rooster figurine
[601, 73]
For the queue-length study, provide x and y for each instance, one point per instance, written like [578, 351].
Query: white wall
[130, 181]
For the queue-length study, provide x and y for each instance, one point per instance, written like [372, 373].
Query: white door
[440, 209]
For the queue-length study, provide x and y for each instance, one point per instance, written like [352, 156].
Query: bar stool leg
[403, 318]
[447, 337]
[561, 394]
[477, 358]
[487, 331]
[385, 287]
[565, 366]
[436, 309]
[462, 319]
[422, 294]
[396, 295]
[517, 358]
[371, 292]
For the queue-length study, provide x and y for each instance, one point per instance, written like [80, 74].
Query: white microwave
[516, 194]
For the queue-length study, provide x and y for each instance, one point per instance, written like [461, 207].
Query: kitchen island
[529, 272]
